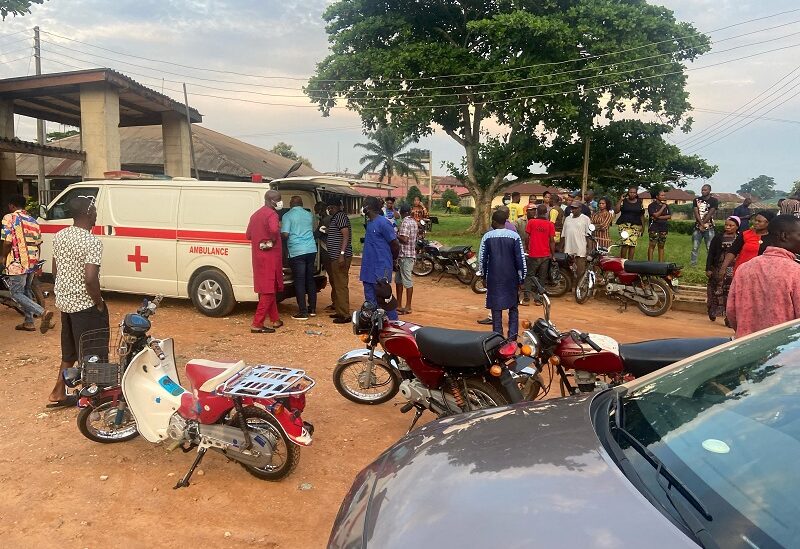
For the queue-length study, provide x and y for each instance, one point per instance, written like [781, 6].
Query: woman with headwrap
[717, 250]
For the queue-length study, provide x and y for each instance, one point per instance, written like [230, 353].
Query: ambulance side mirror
[42, 211]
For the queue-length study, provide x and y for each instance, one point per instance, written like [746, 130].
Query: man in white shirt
[576, 227]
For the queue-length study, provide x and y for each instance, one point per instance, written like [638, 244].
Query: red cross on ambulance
[137, 258]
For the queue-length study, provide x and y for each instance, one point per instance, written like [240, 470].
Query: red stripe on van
[163, 234]
[213, 236]
[47, 228]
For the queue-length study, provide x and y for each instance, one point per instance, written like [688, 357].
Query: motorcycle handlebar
[584, 338]
[592, 344]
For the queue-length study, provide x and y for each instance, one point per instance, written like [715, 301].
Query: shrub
[466, 210]
[687, 226]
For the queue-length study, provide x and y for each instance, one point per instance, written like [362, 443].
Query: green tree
[413, 192]
[762, 186]
[387, 154]
[795, 191]
[16, 7]
[55, 136]
[285, 150]
[623, 152]
[450, 194]
[535, 68]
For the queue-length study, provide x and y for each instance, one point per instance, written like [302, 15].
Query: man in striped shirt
[502, 262]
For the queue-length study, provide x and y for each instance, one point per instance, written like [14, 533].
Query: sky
[274, 45]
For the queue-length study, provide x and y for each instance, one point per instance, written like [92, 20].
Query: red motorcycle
[594, 356]
[444, 371]
[649, 284]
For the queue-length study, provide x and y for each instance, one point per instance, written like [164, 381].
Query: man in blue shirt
[297, 227]
[389, 211]
[381, 248]
[744, 213]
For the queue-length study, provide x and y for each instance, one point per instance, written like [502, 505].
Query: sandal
[25, 327]
[277, 324]
[262, 330]
[71, 400]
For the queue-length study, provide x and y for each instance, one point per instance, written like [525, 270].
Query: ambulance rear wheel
[212, 293]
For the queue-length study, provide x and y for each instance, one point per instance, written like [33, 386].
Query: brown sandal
[25, 327]
[277, 324]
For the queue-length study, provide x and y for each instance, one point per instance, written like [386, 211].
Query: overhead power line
[425, 78]
[409, 90]
[729, 113]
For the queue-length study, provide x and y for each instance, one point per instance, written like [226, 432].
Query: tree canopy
[762, 186]
[16, 7]
[55, 136]
[287, 151]
[535, 69]
[389, 152]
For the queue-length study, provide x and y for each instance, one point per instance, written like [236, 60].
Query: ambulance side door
[139, 246]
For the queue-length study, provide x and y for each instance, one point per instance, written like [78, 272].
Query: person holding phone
[631, 220]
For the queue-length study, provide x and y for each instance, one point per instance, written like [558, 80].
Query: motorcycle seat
[457, 348]
[648, 356]
[561, 257]
[207, 375]
[650, 267]
[454, 250]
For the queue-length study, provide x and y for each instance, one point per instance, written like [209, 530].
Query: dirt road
[53, 495]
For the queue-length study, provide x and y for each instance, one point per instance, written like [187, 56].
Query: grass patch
[451, 231]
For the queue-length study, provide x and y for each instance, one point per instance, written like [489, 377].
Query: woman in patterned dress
[716, 271]
[602, 220]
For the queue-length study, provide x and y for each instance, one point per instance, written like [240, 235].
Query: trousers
[513, 321]
[267, 305]
[304, 286]
[20, 288]
[700, 236]
[340, 287]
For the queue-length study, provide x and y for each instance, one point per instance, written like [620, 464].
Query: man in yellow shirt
[515, 209]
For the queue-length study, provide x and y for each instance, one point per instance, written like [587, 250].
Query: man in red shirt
[766, 290]
[541, 247]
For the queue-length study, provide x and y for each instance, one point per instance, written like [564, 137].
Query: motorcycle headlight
[530, 339]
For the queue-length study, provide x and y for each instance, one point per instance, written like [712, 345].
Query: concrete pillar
[8, 160]
[100, 129]
[177, 155]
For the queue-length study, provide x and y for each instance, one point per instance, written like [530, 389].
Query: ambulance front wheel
[212, 293]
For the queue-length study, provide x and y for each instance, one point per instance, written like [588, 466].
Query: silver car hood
[529, 475]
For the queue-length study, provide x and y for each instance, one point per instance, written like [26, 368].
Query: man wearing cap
[573, 235]
[338, 239]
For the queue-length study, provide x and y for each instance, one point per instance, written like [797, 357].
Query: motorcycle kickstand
[417, 414]
[184, 482]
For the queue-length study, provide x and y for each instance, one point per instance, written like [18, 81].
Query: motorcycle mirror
[591, 227]
[625, 235]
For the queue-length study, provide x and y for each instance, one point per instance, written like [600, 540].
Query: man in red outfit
[541, 248]
[264, 233]
[765, 291]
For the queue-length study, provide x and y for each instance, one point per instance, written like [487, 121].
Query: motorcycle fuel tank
[582, 357]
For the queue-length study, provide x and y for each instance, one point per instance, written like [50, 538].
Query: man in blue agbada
[381, 248]
[502, 262]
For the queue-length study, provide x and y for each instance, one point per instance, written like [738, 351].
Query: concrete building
[100, 102]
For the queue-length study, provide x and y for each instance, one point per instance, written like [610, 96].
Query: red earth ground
[52, 492]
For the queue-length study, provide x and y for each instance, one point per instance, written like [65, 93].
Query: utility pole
[42, 183]
[191, 140]
[430, 179]
[585, 183]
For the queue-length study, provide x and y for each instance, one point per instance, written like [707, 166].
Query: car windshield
[728, 426]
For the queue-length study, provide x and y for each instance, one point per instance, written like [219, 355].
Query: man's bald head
[272, 198]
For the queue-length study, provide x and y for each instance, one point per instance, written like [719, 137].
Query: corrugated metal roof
[217, 154]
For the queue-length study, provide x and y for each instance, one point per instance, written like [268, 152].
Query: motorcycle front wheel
[285, 454]
[478, 285]
[582, 290]
[366, 383]
[423, 266]
[663, 294]
[99, 423]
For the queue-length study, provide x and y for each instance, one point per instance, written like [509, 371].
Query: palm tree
[386, 150]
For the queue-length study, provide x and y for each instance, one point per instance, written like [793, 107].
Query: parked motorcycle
[250, 414]
[649, 284]
[560, 281]
[459, 261]
[590, 356]
[444, 371]
[37, 294]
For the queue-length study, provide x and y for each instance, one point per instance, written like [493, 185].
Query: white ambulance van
[180, 237]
